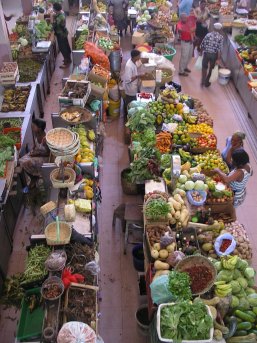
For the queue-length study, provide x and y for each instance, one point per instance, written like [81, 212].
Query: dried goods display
[15, 99]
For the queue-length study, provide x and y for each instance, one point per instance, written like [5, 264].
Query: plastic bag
[92, 267]
[74, 332]
[218, 243]
[214, 74]
[198, 63]
[159, 290]
[97, 55]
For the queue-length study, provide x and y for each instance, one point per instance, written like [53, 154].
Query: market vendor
[232, 143]
[61, 33]
[202, 22]
[239, 176]
[33, 161]
[131, 77]
[211, 48]
[186, 30]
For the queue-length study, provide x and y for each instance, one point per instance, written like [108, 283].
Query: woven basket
[59, 138]
[68, 172]
[85, 115]
[161, 220]
[198, 260]
[128, 187]
[52, 280]
[51, 233]
[48, 207]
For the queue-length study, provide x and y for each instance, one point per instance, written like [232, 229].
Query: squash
[171, 247]
[158, 265]
[211, 302]
[183, 215]
[177, 215]
[163, 253]
[213, 312]
[157, 246]
[176, 204]
[178, 198]
[186, 166]
[154, 253]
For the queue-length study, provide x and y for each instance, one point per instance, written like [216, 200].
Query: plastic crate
[183, 341]
[30, 323]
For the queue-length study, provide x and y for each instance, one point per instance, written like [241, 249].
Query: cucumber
[255, 310]
[241, 333]
[232, 325]
[244, 326]
[253, 331]
[251, 313]
[245, 316]
[251, 338]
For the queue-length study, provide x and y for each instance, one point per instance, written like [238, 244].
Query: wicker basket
[128, 187]
[198, 260]
[51, 233]
[161, 220]
[52, 280]
[68, 172]
[85, 115]
[59, 138]
[48, 207]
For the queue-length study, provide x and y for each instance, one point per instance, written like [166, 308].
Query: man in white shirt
[131, 77]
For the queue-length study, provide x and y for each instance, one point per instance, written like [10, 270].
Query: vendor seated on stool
[131, 77]
[33, 161]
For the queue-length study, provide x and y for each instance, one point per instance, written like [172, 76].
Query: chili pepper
[225, 244]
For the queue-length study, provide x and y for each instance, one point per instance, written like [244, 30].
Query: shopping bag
[219, 241]
[198, 63]
[214, 74]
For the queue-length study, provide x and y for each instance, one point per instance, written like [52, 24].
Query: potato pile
[243, 247]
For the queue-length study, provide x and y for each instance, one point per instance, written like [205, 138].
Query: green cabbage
[234, 301]
[249, 291]
[236, 287]
[218, 266]
[251, 282]
[165, 161]
[224, 275]
[241, 264]
[237, 274]
[252, 298]
[244, 304]
[243, 282]
[249, 272]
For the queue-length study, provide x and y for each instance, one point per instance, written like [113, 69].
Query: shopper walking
[33, 161]
[131, 77]
[234, 142]
[239, 176]
[120, 15]
[61, 33]
[202, 15]
[186, 30]
[211, 48]
[184, 6]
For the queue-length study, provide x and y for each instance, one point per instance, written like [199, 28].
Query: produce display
[105, 43]
[15, 99]
[75, 90]
[211, 160]
[28, 70]
[176, 321]
[81, 39]
[43, 30]
[85, 154]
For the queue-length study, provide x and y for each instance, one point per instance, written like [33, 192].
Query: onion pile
[243, 247]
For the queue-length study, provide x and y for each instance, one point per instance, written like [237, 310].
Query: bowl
[199, 262]
[52, 289]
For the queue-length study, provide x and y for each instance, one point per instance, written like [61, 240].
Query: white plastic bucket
[224, 76]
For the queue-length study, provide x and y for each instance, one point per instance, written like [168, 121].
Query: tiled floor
[119, 286]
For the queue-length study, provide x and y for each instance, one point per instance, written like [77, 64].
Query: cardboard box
[148, 83]
[74, 101]
[97, 91]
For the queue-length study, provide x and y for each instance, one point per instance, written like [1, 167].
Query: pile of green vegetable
[10, 122]
[42, 30]
[249, 40]
[28, 70]
[146, 138]
[185, 321]
[140, 120]
[146, 165]
[165, 161]
[179, 285]
[81, 39]
[35, 268]
[157, 209]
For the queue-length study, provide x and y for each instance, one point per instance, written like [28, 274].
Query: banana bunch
[170, 93]
[229, 262]
[185, 155]
[91, 135]
[190, 119]
[222, 289]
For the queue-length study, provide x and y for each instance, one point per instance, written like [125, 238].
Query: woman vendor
[238, 177]
[232, 143]
[202, 15]
[33, 161]
[120, 14]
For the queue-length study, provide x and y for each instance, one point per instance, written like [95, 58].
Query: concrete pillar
[26, 6]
